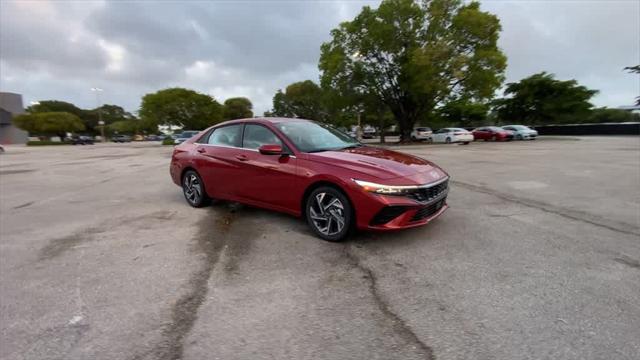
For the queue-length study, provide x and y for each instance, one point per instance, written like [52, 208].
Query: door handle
[201, 150]
[242, 157]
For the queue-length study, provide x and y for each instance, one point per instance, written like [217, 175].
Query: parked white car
[452, 135]
[521, 132]
[421, 133]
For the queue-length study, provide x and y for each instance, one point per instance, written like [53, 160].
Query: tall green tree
[634, 70]
[109, 114]
[49, 123]
[54, 106]
[237, 108]
[541, 99]
[413, 56]
[180, 107]
[304, 99]
[463, 113]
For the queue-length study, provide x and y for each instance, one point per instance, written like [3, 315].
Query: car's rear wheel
[193, 189]
[448, 140]
[519, 137]
[329, 213]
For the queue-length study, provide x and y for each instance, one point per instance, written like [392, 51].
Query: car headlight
[385, 189]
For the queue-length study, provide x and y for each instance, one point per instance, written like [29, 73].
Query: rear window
[423, 129]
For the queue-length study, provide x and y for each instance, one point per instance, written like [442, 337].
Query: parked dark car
[153, 138]
[311, 170]
[82, 140]
[121, 138]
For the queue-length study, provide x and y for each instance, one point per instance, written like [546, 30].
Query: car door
[438, 135]
[218, 160]
[269, 179]
[480, 134]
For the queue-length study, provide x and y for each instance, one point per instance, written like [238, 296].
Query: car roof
[263, 120]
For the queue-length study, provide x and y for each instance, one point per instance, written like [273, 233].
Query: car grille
[387, 214]
[427, 211]
[427, 194]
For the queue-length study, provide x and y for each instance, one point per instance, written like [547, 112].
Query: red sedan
[492, 133]
[311, 170]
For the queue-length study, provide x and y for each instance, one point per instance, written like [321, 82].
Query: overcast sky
[59, 50]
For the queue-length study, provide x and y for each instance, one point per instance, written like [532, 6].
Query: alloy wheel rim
[192, 188]
[327, 213]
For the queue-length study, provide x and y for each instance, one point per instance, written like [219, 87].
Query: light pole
[100, 122]
[355, 57]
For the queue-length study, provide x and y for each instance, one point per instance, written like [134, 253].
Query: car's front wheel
[329, 213]
[193, 189]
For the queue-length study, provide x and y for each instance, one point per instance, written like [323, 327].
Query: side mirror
[270, 149]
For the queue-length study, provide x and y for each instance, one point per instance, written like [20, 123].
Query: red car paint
[492, 133]
[280, 182]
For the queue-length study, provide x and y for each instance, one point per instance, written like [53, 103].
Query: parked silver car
[521, 132]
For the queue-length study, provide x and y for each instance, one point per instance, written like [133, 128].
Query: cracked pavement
[538, 258]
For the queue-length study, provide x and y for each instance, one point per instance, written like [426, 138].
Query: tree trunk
[381, 119]
[405, 134]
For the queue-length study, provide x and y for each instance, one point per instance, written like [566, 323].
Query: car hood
[380, 163]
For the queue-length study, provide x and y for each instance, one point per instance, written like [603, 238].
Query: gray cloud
[58, 50]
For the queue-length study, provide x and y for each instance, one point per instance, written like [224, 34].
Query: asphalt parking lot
[537, 258]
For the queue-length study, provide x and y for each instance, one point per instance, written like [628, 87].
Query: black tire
[413, 138]
[447, 140]
[331, 215]
[465, 143]
[519, 137]
[193, 189]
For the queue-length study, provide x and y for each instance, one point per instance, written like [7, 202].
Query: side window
[258, 135]
[226, 136]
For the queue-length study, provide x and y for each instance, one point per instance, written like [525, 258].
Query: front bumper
[390, 212]
[463, 138]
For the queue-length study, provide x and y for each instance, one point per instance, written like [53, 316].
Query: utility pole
[359, 132]
[100, 122]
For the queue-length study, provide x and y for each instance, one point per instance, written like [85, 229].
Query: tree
[463, 113]
[413, 57]
[90, 118]
[237, 108]
[49, 123]
[540, 99]
[45, 106]
[109, 114]
[180, 107]
[604, 115]
[302, 99]
[634, 70]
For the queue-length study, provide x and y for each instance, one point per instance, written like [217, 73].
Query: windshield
[309, 136]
